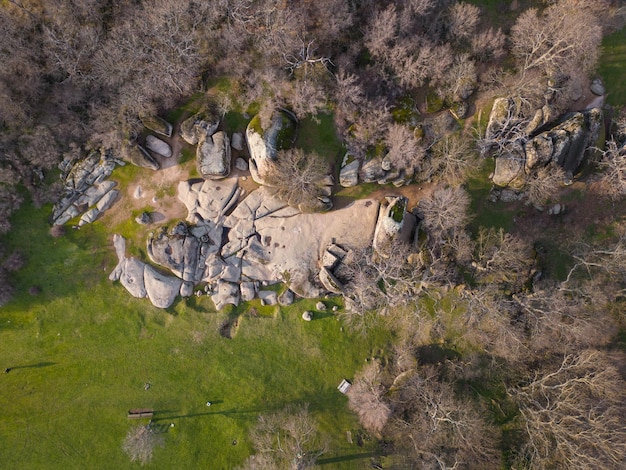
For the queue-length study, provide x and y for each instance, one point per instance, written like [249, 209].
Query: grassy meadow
[81, 351]
[611, 67]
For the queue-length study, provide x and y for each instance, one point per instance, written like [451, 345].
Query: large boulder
[107, 200]
[200, 126]
[213, 156]
[139, 156]
[158, 125]
[132, 277]
[349, 174]
[182, 252]
[538, 152]
[509, 170]
[158, 146]
[264, 144]
[160, 288]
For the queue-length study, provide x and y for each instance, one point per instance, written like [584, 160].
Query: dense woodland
[496, 362]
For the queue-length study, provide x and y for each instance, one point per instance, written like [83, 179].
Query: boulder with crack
[213, 156]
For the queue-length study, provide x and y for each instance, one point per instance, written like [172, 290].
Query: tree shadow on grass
[31, 366]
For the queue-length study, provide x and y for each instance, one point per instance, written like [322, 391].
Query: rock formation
[264, 144]
[213, 156]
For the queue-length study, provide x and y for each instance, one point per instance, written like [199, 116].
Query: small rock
[144, 218]
[268, 297]
[307, 316]
[597, 87]
[138, 194]
[320, 306]
[286, 298]
[237, 141]
[556, 209]
[335, 308]
[241, 164]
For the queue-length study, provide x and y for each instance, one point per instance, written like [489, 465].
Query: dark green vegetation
[611, 67]
[81, 351]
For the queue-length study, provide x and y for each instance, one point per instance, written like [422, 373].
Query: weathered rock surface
[156, 145]
[132, 277]
[200, 126]
[141, 279]
[158, 125]
[286, 298]
[213, 156]
[509, 170]
[107, 200]
[241, 164]
[597, 87]
[84, 184]
[236, 141]
[264, 144]
[394, 225]
[349, 174]
[139, 156]
[161, 289]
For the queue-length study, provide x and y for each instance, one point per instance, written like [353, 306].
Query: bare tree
[434, 429]
[445, 211]
[503, 259]
[613, 166]
[565, 38]
[403, 149]
[452, 159]
[367, 398]
[488, 44]
[140, 443]
[286, 439]
[573, 414]
[463, 20]
[299, 178]
[544, 183]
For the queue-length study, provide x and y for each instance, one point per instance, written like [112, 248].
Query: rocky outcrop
[565, 143]
[264, 144]
[156, 145]
[509, 170]
[213, 156]
[142, 280]
[85, 187]
[200, 126]
[394, 225]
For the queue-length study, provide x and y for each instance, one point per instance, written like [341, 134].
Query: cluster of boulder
[235, 246]
[155, 147]
[542, 140]
[87, 193]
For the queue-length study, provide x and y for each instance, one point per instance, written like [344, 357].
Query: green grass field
[82, 349]
[612, 67]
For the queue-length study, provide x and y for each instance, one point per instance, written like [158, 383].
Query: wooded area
[498, 362]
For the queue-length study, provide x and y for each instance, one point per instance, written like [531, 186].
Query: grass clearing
[612, 67]
[486, 213]
[82, 350]
[320, 137]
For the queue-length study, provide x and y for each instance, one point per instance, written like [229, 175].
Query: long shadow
[230, 412]
[31, 366]
[346, 458]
